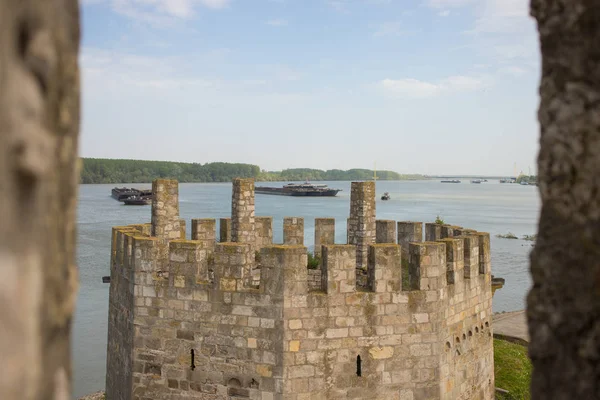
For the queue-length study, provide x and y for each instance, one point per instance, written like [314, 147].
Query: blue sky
[417, 86]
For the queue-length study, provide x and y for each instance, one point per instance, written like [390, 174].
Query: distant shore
[97, 170]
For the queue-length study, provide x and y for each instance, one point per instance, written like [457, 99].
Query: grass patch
[439, 220]
[512, 368]
[314, 261]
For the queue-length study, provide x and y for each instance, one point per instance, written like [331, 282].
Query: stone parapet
[205, 230]
[197, 319]
[361, 224]
[385, 231]
[408, 232]
[324, 233]
[293, 231]
[165, 209]
[264, 232]
[433, 232]
[242, 211]
[225, 230]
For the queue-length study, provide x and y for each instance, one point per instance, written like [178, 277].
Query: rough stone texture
[433, 232]
[39, 173]
[385, 231]
[361, 224]
[314, 279]
[293, 230]
[165, 209]
[94, 396]
[205, 230]
[448, 231]
[409, 232]
[225, 230]
[324, 233]
[208, 325]
[182, 229]
[242, 211]
[264, 231]
[563, 305]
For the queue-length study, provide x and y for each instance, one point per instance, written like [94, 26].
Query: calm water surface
[491, 207]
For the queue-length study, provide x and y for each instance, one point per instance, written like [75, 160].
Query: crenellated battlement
[391, 313]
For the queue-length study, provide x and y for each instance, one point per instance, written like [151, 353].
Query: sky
[434, 87]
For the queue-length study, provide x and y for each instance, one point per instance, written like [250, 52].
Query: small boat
[476, 181]
[451, 181]
[386, 196]
[138, 201]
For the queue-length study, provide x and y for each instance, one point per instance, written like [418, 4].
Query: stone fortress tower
[387, 316]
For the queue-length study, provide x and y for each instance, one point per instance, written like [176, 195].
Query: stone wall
[165, 209]
[361, 223]
[324, 233]
[264, 231]
[314, 279]
[242, 211]
[293, 230]
[209, 322]
[409, 232]
[433, 231]
[225, 230]
[385, 231]
[204, 230]
[119, 362]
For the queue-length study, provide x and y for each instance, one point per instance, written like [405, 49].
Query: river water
[490, 207]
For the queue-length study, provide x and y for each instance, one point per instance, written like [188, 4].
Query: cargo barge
[451, 181]
[299, 189]
[121, 194]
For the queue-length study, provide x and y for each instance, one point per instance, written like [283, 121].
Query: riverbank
[511, 326]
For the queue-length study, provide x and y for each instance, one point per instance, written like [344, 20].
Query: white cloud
[444, 13]
[215, 3]
[409, 88]
[450, 3]
[162, 12]
[114, 72]
[501, 31]
[414, 88]
[277, 22]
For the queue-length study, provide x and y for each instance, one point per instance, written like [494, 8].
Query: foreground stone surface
[39, 129]
[94, 396]
[563, 306]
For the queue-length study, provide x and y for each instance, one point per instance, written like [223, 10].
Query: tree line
[102, 170]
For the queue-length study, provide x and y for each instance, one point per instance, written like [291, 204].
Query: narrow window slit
[192, 357]
[358, 366]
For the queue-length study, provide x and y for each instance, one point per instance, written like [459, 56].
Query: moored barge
[299, 189]
[121, 194]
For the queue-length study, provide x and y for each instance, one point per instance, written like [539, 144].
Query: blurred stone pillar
[39, 176]
[563, 305]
